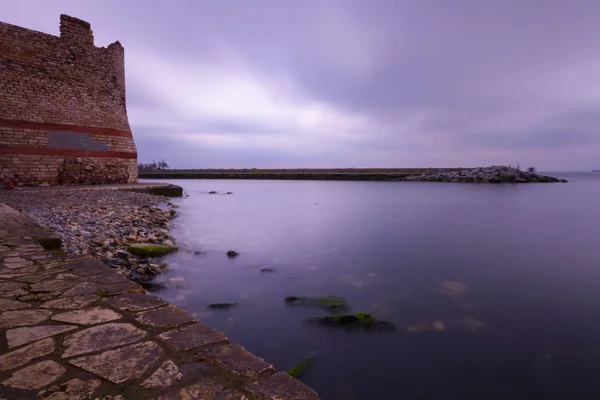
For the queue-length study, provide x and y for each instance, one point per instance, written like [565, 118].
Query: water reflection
[493, 289]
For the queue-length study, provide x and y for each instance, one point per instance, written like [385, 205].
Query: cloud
[333, 83]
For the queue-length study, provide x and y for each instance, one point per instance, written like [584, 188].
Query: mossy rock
[360, 320]
[331, 303]
[300, 369]
[221, 306]
[150, 250]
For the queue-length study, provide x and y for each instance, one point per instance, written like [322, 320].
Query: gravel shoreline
[102, 224]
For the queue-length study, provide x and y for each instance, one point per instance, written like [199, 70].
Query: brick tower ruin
[63, 116]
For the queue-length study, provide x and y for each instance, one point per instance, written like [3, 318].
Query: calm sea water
[527, 328]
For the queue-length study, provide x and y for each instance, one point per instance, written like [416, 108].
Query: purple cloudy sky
[349, 83]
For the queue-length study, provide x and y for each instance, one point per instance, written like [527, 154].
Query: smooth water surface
[528, 326]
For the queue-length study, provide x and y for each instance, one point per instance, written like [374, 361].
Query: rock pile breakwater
[102, 224]
[493, 174]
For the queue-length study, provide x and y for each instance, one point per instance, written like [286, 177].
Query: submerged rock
[232, 253]
[221, 306]
[331, 303]
[150, 250]
[358, 321]
[212, 192]
[474, 325]
[436, 325]
[454, 288]
[300, 369]
[267, 270]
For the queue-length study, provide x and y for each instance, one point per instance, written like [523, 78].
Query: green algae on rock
[150, 250]
[300, 369]
[221, 306]
[331, 303]
[360, 320]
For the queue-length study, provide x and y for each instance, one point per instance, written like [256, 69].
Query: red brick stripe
[45, 151]
[7, 123]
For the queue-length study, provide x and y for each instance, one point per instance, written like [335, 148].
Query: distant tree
[162, 164]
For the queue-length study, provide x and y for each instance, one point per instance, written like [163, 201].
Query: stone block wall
[63, 99]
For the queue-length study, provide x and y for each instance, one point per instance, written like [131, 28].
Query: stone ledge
[67, 316]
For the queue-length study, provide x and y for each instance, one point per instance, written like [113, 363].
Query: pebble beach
[102, 224]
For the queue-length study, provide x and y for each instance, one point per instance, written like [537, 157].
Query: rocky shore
[493, 174]
[102, 224]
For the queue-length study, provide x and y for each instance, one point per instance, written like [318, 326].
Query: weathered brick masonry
[63, 116]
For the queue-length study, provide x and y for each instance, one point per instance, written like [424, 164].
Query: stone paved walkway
[72, 328]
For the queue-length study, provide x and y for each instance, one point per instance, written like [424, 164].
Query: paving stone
[35, 376]
[6, 305]
[10, 276]
[26, 270]
[71, 303]
[13, 259]
[17, 265]
[237, 359]
[281, 386]
[122, 364]
[101, 337]
[10, 286]
[41, 256]
[52, 286]
[92, 316]
[11, 319]
[108, 278]
[193, 336]
[205, 390]
[51, 264]
[75, 389]
[112, 289]
[25, 354]
[39, 296]
[19, 336]
[165, 317]
[81, 289]
[67, 277]
[13, 293]
[166, 376]
[31, 278]
[135, 302]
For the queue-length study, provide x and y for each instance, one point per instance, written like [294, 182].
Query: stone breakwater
[102, 224]
[71, 328]
[493, 174]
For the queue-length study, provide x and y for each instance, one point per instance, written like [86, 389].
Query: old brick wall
[62, 97]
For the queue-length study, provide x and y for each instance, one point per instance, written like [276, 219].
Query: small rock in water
[221, 306]
[212, 192]
[178, 281]
[197, 253]
[232, 253]
[360, 320]
[267, 270]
